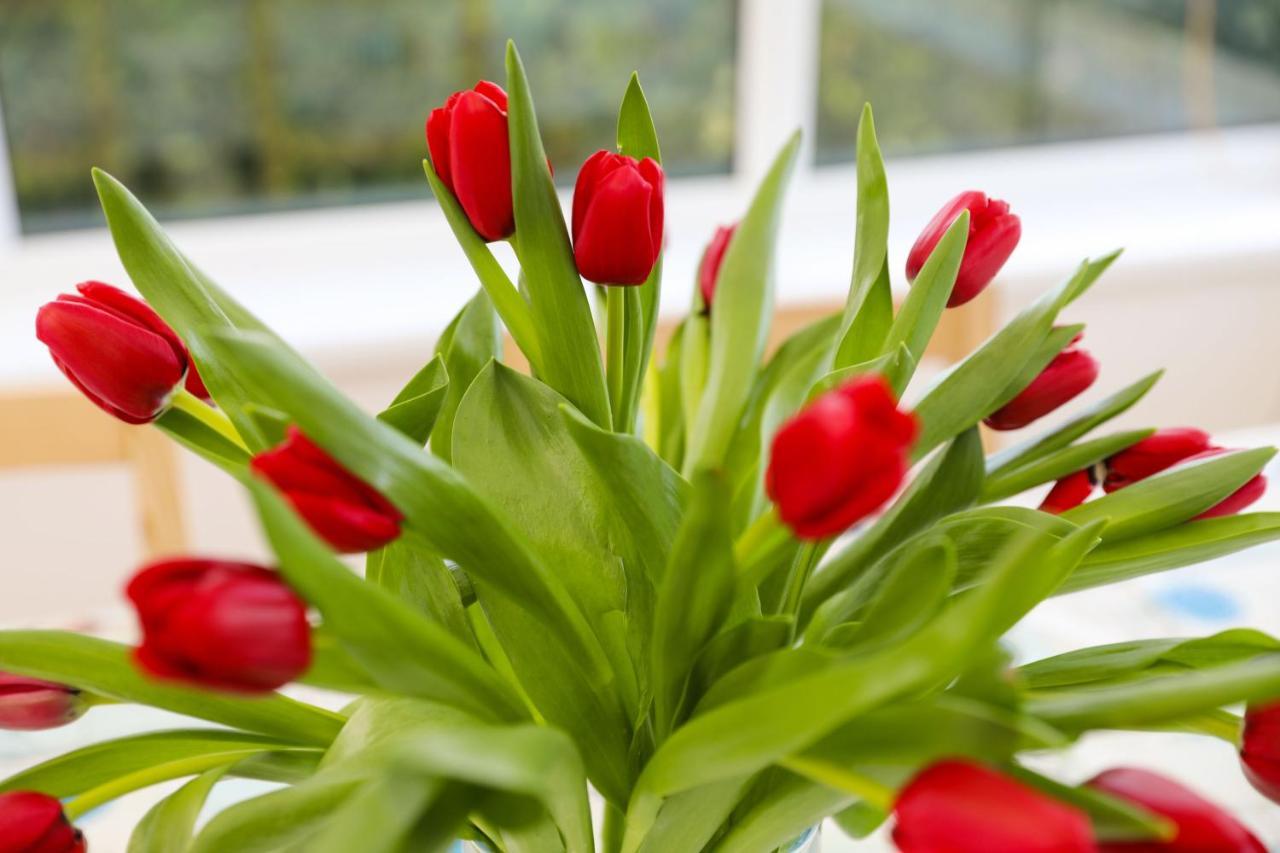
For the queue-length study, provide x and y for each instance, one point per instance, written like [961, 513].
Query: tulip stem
[187, 402]
[798, 576]
[615, 300]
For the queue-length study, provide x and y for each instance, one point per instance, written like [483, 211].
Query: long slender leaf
[469, 343]
[414, 409]
[168, 826]
[1059, 463]
[868, 311]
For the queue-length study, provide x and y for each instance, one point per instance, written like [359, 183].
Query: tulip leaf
[203, 440]
[740, 319]
[665, 431]
[920, 312]
[1059, 463]
[415, 408]
[780, 808]
[1023, 454]
[469, 343]
[1058, 339]
[868, 312]
[571, 361]
[695, 345]
[105, 668]
[421, 578]
[1113, 819]
[966, 394]
[1172, 496]
[168, 826]
[287, 819]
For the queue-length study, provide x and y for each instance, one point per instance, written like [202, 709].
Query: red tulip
[959, 807]
[1201, 827]
[341, 508]
[467, 138]
[219, 624]
[1069, 492]
[993, 234]
[117, 351]
[35, 823]
[1070, 373]
[1169, 447]
[617, 218]
[840, 459]
[27, 704]
[1260, 750]
[712, 257]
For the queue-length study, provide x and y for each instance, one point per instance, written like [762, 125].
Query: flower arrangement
[733, 595]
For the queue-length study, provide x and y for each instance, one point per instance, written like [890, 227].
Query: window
[1042, 70]
[207, 108]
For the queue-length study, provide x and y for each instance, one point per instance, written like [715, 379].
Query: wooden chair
[44, 428]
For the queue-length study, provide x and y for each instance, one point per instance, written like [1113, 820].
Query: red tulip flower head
[1169, 447]
[341, 508]
[470, 153]
[28, 704]
[219, 624]
[1260, 749]
[960, 807]
[840, 459]
[1200, 825]
[1070, 373]
[1069, 492]
[617, 218]
[35, 823]
[993, 235]
[712, 257]
[117, 351]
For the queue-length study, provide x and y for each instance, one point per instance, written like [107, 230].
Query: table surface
[1242, 590]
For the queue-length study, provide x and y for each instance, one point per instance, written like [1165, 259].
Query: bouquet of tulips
[698, 600]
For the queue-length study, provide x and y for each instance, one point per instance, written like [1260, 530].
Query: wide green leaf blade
[1059, 463]
[415, 408]
[469, 343]
[168, 826]
[422, 579]
[284, 820]
[1056, 341]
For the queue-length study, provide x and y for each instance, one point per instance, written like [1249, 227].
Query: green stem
[615, 824]
[798, 576]
[187, 402]
[136, 781]
[615, 301]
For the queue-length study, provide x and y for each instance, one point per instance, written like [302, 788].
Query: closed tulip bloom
[712, 257]
[617, 218]
[117, 351]
[28, 704]
[220, 624]
[341, 508]
[1200, 826]
[1070, 373]
[840, 459]
[993, 235]
[1260, 749]
[35, 823]
[467, 138]
[1169, 447]
[957, 806]
[1069, 492]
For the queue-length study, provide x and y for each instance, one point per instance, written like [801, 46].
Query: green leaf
[694, 596]
[414, 409]
[780, 807]
[420, 578]
[668, 436]
[695, 343]
[1059, 463]
[105, 668]
[1056, 341]
[740, 321]
[469, 343]
[1174, 547]
[966, 394]
[868, 311]
[1036, 448]
[400, 649]
[571, 355]
[1172, 496]
[280, 820]
[1113, 819]
[380, 816]
[203, 440]
[510, 305]
[927, 299]
[168, 826]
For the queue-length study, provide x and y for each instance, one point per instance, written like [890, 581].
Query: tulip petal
[480, 164]
[615, 245]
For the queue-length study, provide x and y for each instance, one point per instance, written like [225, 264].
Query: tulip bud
[1069, 492]
[470, 153]
[341, 508]
[35, 823]
[712, 257]
[117, 351]
[961, 807]
[1169, 447]
[840, 459]
[617, 218]
[1070, 373]
[28, 704]
[993, 234]
[1200, 825]
[219, 624]
[1260, 749]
